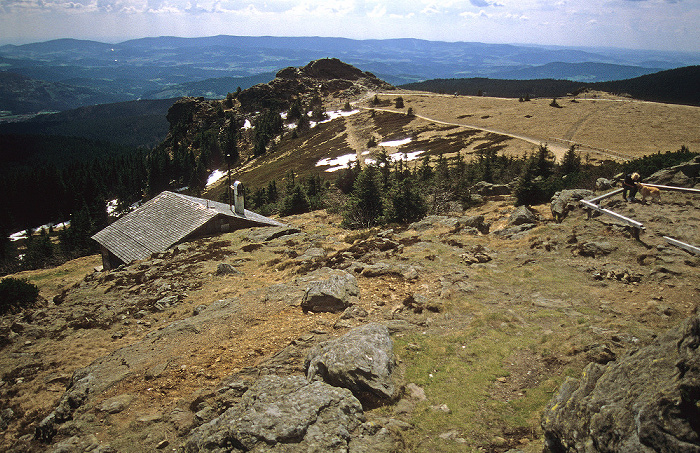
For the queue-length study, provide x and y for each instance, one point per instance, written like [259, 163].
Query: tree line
[397, 192]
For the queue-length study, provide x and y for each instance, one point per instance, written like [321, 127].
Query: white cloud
[670, 24]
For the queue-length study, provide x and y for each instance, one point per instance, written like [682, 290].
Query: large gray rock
[521, 216]
[645, 402]
[565, 201]
[596, 248]
[604, 184]
[362, 360]
[684, 175]
[476, 222]
[283, 414]
[333, 295]
[488, 189]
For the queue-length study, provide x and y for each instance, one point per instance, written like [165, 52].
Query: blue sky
[634, 24]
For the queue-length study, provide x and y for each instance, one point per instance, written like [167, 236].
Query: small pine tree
[16, 294]
[296, 202]
[571, 163]
[365, 207]
[406, 203]
[398, 102]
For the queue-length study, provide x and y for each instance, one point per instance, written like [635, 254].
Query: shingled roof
[164, 221]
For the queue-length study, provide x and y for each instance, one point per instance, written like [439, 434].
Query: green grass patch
[459, 369]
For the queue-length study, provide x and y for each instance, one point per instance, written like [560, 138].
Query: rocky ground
[223, 344]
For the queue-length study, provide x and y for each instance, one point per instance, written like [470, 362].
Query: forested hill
[134, 123]
[675, 86]
[20, 94]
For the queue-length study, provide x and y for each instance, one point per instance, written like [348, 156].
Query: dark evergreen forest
[675, 86]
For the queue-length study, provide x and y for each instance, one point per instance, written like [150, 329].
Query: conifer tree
[571, 163]
[365, 207]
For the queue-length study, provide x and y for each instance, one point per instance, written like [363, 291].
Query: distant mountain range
[67, 73]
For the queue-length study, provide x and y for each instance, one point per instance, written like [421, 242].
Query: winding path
[558, 146]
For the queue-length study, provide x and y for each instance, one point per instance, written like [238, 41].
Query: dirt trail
[557, 142]
[557, 149]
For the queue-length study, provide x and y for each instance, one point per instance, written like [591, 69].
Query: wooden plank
[607, 195]
[621, 218]
[676, 189]
[690, 248]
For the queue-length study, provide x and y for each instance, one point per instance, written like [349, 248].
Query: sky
[631, 24]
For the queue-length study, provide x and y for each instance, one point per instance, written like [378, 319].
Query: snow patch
[407, 157]
[23, 234]
[112, 206]
[396, 143]
[337, 163]
[215, 176]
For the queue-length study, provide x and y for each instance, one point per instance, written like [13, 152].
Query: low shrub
[16, 294]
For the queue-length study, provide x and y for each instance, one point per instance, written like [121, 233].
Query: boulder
[283, 414]
[645, 402]
[226, 269]
[332, 295]
[362, 360]
[595, 248]
[567, 200]
[604, 184]
[686, 174]
[521, 216]
[484, 188]
[473, 222]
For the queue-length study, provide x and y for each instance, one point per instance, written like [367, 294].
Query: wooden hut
[168, 219]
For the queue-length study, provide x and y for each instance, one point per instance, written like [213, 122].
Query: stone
[283, 411]
[6, 416]
[79, 444]
[332, 295]
[568, 200]
[155, 371]
[116, 404]
[362, 360]
[595, 248]
[603, 184]
[484, 188]
[646, 401]
[522, 215]
[226, 269]
[473, 222]
[354, 312]
[380, 269]
[686, 174]
[415, 392]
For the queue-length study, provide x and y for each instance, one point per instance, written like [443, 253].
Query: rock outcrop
[333, 295]
[361, 360]
[644, 402]
[565, 201]
[684, 175]
[283, 414]
[326, 76]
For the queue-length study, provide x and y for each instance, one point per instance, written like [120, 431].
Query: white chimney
[239, 198]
